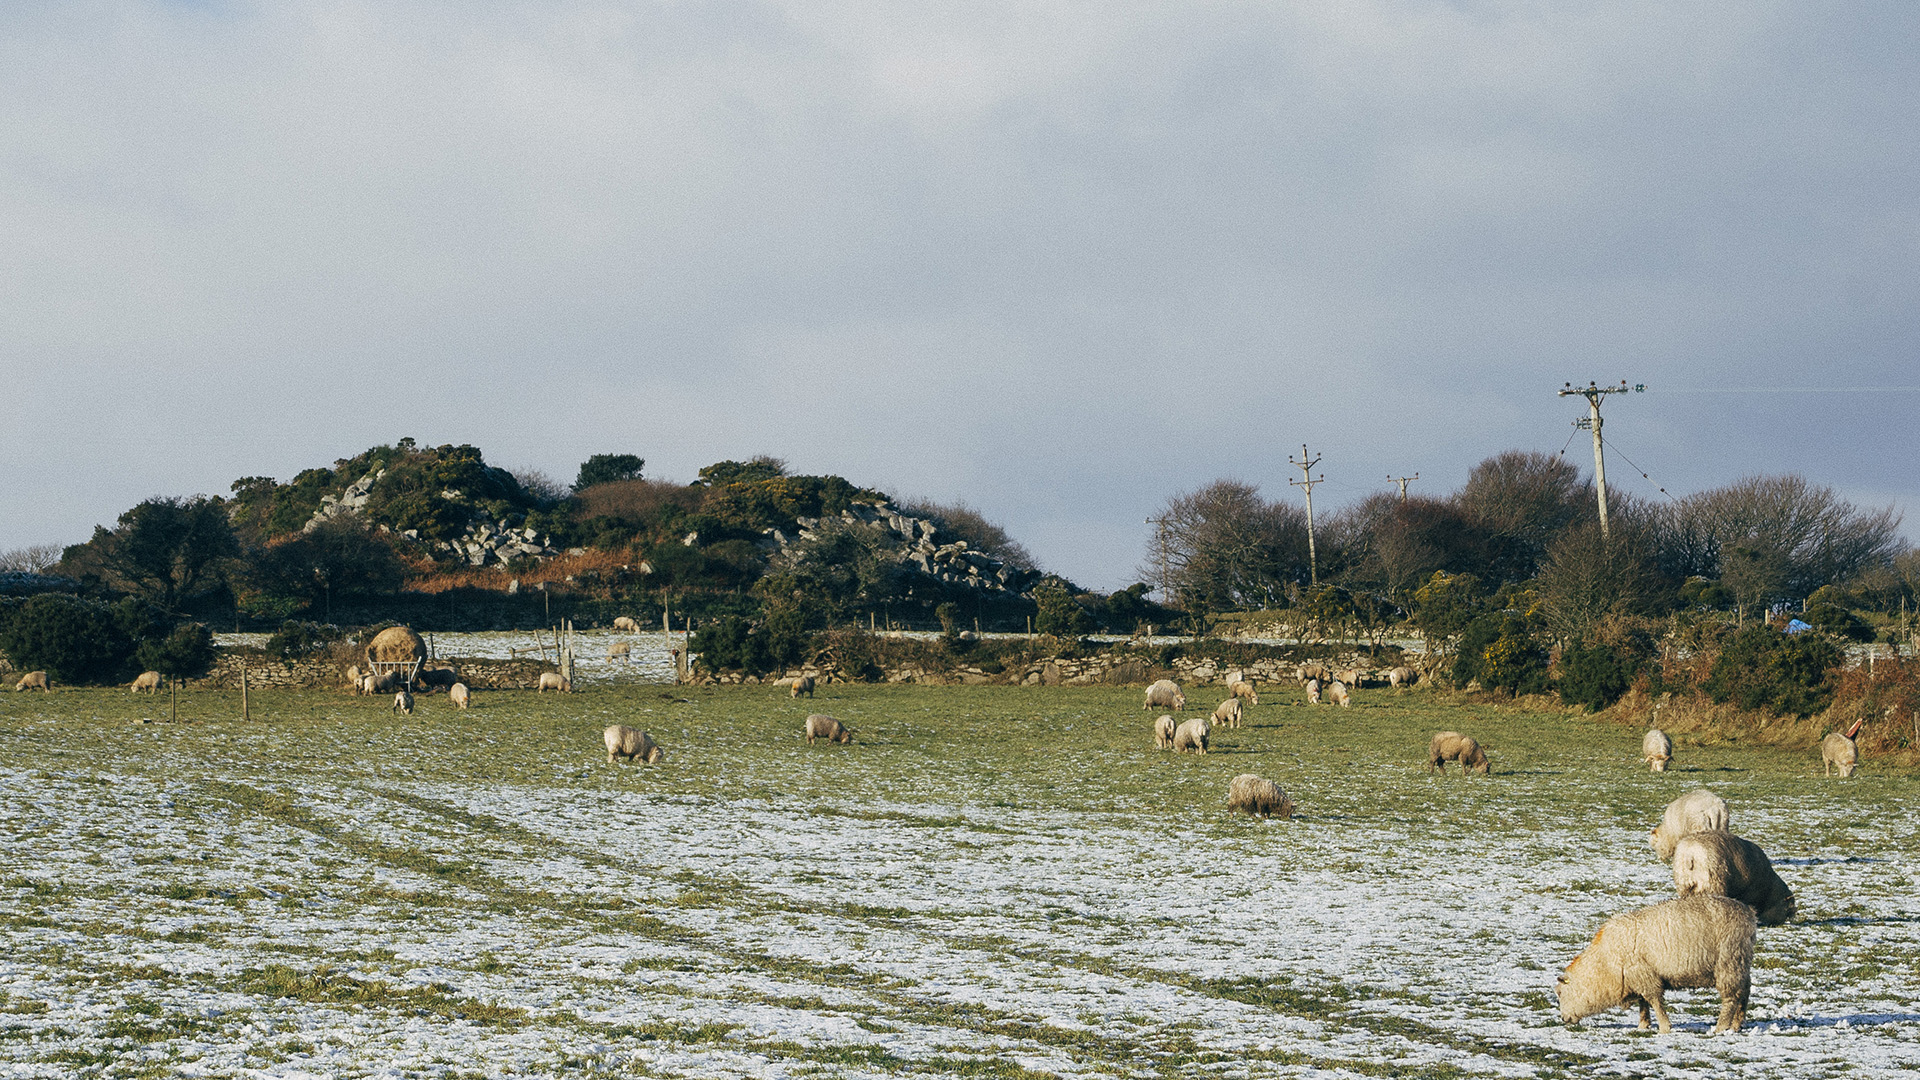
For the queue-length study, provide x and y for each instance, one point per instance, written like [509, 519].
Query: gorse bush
[186, 652]
[72, 640]
[296, 639]
[1595, 675]
[1762, 668]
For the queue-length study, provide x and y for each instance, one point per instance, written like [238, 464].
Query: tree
[608, 469]
[184, 653]
[1223, 546]
[73, 640]
[1762, 668]
[166, 549]
[1777, 537]
[1059, 613]
[1445, 605]
[1524, 498]
[1589, 575]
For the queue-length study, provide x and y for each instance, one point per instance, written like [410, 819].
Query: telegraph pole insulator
[1595, 394]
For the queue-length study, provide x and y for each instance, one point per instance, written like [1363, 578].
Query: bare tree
[34, 559]
[1588, 576]
[1524, 498]
[1224, 546]
[1778, 537]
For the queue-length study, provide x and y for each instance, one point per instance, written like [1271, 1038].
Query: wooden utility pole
[1307, 481]
[1160, 555]
[1594, 395]
[1403, 481]
[245, 713]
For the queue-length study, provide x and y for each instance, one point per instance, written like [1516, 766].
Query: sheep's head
[1584, 988]
[845, 736]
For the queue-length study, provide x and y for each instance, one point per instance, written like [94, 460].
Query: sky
[1058, 261]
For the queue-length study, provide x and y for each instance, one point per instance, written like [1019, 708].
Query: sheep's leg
[1734, 986]
[1646, 1017]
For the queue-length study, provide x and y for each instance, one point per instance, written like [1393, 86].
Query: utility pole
[1160, 550]
[1594, 395]
[1307, 481]
[1403, 481]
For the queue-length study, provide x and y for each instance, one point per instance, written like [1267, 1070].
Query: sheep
[551, 680]
[1314, 673]
[1165, 694]
[1639, 956]
[620, 650]
[1717, 863]
[1191, 735]
[1337, 693]
[459, 694]
[1244, 690]
[1227, 713]
[1402, 677]
[632, 744]
[353, 676]
[1352, 677]
[403, 703]
[364, 687]
[147, 680]
[1838, 751]
[1257, 796]
[1657, 749]
[1313, 691]
[33, 680]
[1698, 810]
[626, 624]
[1163, 733]
[432, 678]
[822, 726]
[1453, 746]
[801, 685]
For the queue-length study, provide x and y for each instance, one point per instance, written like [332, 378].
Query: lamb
[1227, 713]
[1453, 746]
[1639, 956]
[1337, 693]
[1838, 751]
[1244, 690]
[1313, 691]
[1699, 810]
[632, 744]
[1657, 749]
[353, 677]
[1165, 694]
[33, 680]
[1163, 733]
[1191, 735]
[148, 681]
[551, 680]
[822, 726]
[801, 685]
[459, 694]
[627, 624]
[1719, 863]
[620, 650]
[1257, 796]
[1401, 676]
[403, 703]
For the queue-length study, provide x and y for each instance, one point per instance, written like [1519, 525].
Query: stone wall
[329, 674]
[1101, 669]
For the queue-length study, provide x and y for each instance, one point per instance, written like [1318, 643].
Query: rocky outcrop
[495, 543]
[351, 501]
[922, 550]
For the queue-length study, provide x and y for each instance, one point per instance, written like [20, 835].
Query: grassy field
[992, 881]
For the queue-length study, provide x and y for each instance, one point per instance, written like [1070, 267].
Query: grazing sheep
[1838, 751]
[1244, 690]
[1191, 735]
[551, 680]
[1719, 863]
[626, 624]
[1402, 676]
[32, 680]
[148, 681]
[365, 686]
[822, 726]
[1163, 733]
[1657, 749]
[1313, 691]
[459, 694]
[1639, 956]
[1257, 796]
[1165, 694]
[1227, 713]
[632, 744]
[1337, 693]
[353, 676]
[1453, 746]
[801, 685]
[403, 703]
[620, 650]
[1698, 810]
[1352, 677]
[1314, 673]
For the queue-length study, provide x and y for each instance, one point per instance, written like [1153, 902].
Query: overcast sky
[1058, 260]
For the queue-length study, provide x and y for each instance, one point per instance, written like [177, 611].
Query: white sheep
[551, 680]
[1448, 746]
[1337, 693]
[149, 681]
[632, 744]
[459, 694]
[1244, 690]
[620, 650]
[403, 703]
[1313, 673]
[1839, 752]
[1257, 796]
[1657, 748]
[627, 624]
[1639, 956]
[1163, 733]
[1192, 735]
[1352, 677]
[822, 726]
[1719, 863]
[1698, 810]
[1401, 677]
[1165, 694]
[32, 680]
[1313, 691]
[1227, 713]
[800, 685]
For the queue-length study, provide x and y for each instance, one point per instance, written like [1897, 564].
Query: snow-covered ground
[370, 897]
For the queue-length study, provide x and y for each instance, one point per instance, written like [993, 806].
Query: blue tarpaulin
[1795, 626]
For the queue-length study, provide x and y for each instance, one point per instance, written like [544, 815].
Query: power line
[1307, 481]
[1791, 390]
[1642, 472]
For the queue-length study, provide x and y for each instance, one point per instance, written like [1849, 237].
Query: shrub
[1761, 668]
[1595, 675]
[1059, 614]
[1501, 652]
[73, 640]
[296, 639]
[185, 653]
